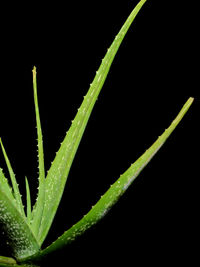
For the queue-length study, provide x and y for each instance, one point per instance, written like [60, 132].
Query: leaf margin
[28, 203]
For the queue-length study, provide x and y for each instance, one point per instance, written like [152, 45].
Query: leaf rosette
[27, 230]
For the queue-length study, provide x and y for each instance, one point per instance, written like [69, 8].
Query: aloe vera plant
[27, 229]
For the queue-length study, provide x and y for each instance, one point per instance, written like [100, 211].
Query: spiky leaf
[20, 236]
[58, 173]
[116, 190]
[17, 195]
[28, 203]
[5, 187]
[39, 205]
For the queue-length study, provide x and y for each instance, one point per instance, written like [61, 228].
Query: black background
[153, 74]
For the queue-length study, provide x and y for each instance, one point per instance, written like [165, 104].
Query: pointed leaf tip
[59, 170]
[38, 208]
[34, 69]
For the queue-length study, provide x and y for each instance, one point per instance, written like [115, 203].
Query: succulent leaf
[58, 173]
[10, 262]
[28, 203]
[39, 205]
[20, 236]
[116, 190]
[5, 261]
[26, 233]
[5, 187]
[14, 182]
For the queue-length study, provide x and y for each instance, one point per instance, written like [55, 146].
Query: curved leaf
[114, 193]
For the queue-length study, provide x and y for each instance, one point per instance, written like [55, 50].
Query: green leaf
[114, 192]
[58, 173]
[5, 187]
[20, 236]
[14, 182]
[28, 203]
[6, 260]
[10, 262]
[39, 205]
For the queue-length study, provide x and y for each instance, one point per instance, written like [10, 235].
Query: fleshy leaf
[14, 182]
[6, 260]
[10, 262]
[39, 205]
[116, 190]
[20, 236]
[5, 187]
[58, 173]
[28, 203]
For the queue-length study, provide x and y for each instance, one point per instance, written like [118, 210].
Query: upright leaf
[5, 187]
[20, 236]
[58, 173]
[39, 206]
[116, 190]
[28, 203]
[14, 182]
